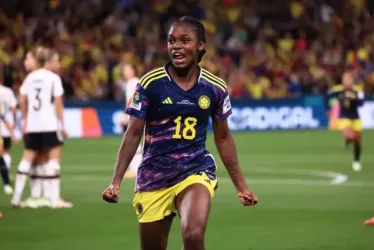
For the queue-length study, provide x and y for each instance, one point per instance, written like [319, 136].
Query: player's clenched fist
[247, 197]
[111, 194]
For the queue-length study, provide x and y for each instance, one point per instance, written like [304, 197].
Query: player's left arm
[14, 114]
[58, 93]
[23, 105]
[9, 127]
[227, 150]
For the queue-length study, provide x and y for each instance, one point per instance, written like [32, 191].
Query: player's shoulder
[52, 74]
[44, 73]
[213, 80]
[5, 89]
[336, 89]
[358, 88]
[154, 76]
[8, 91]
[132, 83]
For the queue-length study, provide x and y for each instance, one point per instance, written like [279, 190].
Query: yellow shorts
[155, 205]
[354, 124]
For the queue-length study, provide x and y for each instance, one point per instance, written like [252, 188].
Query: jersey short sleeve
[139, 103]
[223, 108]
[58, 90]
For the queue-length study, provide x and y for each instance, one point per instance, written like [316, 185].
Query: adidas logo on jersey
[167, 101]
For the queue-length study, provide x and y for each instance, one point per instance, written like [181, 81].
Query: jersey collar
[170, 79]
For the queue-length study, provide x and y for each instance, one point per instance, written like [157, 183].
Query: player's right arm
[137, 109]
[331, 93]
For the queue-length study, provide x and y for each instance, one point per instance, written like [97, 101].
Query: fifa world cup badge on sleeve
[226, 105]
[136, 102]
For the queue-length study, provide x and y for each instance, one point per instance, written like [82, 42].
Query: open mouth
[178, 57]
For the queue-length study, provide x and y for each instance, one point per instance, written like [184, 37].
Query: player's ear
[200, 46]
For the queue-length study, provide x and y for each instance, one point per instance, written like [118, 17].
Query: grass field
[299, 209]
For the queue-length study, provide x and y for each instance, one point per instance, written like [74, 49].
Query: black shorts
[7, 143]
[44, 140]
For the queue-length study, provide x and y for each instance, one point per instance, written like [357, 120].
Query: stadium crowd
[263, 49]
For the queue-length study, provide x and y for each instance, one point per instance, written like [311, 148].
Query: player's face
[128, 72]
[29, 62]
[348, 80]
[55, 63]
[183, 45]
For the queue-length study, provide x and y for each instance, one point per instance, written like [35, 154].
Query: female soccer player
[3, 168]
[350, 98]
[42, 121]
[39, 183]
[9, 123]
[177, 173]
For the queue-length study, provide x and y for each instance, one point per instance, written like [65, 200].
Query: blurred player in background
[350, 98]
[8, 103]
[177, 174]
[10, 116]
[129, 87]
[4, 172]
[38, 179]
[37, 170]
[41, 105]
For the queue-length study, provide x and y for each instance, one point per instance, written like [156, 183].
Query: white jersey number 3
[37, 100]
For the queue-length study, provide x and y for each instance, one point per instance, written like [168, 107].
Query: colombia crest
[204, 102]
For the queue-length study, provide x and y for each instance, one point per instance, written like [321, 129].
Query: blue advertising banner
[302, 113]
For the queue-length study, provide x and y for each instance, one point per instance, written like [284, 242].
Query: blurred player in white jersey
[39, 182]
[7, 131]
[129, 86]
[41, 105]
[4, 173]
[37, 170]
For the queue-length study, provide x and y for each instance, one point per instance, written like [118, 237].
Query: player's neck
[186, 77]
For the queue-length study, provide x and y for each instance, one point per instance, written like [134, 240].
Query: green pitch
[292, 172]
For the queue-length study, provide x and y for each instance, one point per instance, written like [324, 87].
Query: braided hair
[198, 27]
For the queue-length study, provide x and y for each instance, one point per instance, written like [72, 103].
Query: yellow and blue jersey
[349, 101]
[176, 124]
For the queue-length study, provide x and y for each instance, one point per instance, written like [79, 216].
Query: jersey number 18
[188, 132]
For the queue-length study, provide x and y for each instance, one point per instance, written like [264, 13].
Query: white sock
[8, 160]
[52, 185]
[23, 170]
[46, 184]
[36, 181]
